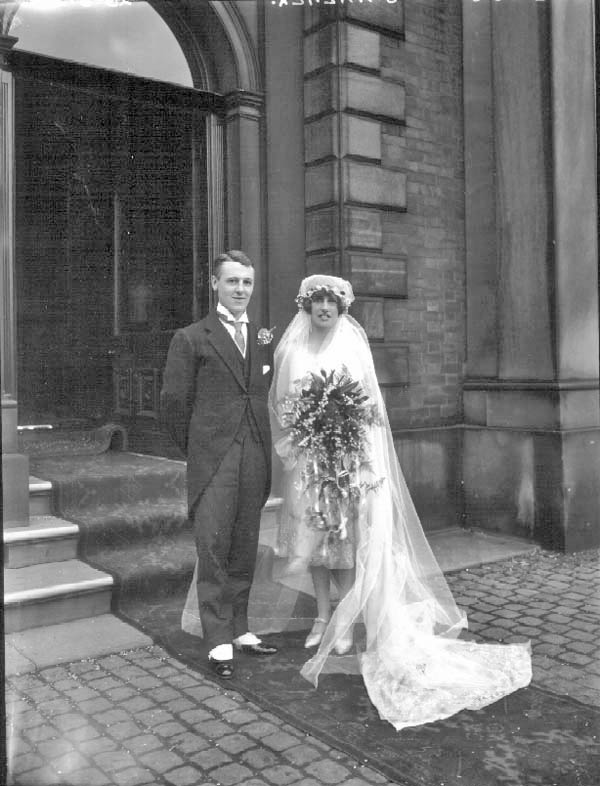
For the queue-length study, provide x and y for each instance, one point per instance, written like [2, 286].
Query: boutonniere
[265, 336]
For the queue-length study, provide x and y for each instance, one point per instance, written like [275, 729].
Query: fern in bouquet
[328, 419]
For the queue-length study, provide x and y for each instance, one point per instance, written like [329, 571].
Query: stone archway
[216, 42]
[243, 49]
[222, 54]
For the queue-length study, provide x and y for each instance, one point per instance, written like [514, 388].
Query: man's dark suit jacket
[205, 397]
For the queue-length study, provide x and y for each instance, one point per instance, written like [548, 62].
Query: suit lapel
[225, 347]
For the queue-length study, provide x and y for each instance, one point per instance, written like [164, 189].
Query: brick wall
[431, 320]
[383, 156]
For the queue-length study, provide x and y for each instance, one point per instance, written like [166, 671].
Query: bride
[350, 518]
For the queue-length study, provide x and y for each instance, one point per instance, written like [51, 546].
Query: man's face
[234, 286]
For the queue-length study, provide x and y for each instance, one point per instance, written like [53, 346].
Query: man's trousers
[226, 524]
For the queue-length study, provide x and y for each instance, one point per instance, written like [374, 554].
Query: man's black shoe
[256, 649]
[222, 668]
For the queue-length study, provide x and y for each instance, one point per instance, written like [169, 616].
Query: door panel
[64, 254]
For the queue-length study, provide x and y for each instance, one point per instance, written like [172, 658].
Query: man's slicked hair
[230, 256]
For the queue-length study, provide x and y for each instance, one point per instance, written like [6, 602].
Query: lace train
[453, 676]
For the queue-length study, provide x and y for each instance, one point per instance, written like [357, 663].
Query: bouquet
[328, 419]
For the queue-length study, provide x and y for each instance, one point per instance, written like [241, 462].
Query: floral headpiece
[326, 284]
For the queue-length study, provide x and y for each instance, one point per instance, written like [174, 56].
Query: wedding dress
[406, 623]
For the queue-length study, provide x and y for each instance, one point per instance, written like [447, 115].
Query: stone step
[45, 584]
[65, 642]
[118, 478]
[46, 539]
[54, 592]
[116, 525]
[150, 569]
[163, 565]
[40, 497]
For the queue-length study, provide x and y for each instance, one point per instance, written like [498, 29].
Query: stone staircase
[142, 541]
[44, 582]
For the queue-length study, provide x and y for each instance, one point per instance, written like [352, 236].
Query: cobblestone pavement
[141, 717]
[551, 599]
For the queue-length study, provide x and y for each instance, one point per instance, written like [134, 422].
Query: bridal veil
[406, 623]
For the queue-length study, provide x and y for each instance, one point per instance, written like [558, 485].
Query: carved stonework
[353, 91]
[322, 184]
[386, 16]
[243, 101]
[321, 138]
[7, 42]
[320, 94]
[244, 178]
[363, 228]
[376, 274]
[362, 137]
[369, 312]
[370, 184]
[347, 107]
[372, 95]
[325, 264]
[321, 228]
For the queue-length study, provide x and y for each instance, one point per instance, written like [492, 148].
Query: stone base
[430, 462]
[15, 490]
[541, 485]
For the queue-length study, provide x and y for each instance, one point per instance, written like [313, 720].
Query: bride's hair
[323, 292]
[318, 286]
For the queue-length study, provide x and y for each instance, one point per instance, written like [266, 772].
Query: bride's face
[324, 312]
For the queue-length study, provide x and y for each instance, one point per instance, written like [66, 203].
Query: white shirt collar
[222, 310]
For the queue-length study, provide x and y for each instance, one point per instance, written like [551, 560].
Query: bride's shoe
[344, 643]
[316, 634]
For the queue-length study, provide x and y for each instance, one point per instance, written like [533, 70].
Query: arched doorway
[119, 207]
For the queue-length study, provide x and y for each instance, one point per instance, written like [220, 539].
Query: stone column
[15, 467]
[284, 152]
[531, 399]
[350, 106]
[245, 210]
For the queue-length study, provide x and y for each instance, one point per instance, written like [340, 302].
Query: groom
[214, 404]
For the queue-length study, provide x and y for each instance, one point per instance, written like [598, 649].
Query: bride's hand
[284, 449]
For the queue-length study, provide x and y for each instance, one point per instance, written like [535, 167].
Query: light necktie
[238, 335]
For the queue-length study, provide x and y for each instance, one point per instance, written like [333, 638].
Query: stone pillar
[15, 467]
[531, 399]
[284, 153]
[350, 105]
[245, 214]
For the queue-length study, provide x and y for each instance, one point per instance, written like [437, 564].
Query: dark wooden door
[64, 254]
[160, 243]
[112, 242]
